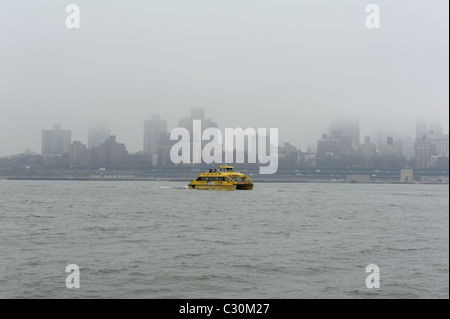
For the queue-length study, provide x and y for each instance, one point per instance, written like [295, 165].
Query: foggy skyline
[290, 65]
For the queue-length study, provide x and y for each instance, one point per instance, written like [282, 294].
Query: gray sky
[291, 64]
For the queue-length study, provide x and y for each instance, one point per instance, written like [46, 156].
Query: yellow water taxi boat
[224, 178]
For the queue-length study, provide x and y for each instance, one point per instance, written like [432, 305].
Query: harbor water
[281, 240]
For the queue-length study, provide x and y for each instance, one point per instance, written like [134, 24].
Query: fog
[287, 64]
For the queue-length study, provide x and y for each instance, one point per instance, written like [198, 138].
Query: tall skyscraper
[110, 154]
[429, 146]
[389, 140]
[391, 148]
[333, 151]
[346, 128]
[367, 150]
[97, 135]
[423, 150]
[77, 152]
[153, 129]
[56, 141]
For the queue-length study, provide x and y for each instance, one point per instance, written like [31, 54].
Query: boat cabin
[227, 169]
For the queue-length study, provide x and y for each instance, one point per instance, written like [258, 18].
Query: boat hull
[218, 187]
[247, 187]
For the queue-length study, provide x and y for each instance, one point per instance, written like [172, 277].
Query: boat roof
[226, 166]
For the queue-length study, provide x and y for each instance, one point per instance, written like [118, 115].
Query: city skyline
[102, 129]
[341, 147]
[377, 135]
[295, 66]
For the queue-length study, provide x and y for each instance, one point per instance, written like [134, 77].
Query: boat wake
[173, 187]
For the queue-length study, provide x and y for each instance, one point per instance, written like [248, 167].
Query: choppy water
[161, 240]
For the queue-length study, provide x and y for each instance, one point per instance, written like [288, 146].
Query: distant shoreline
[87, 179]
